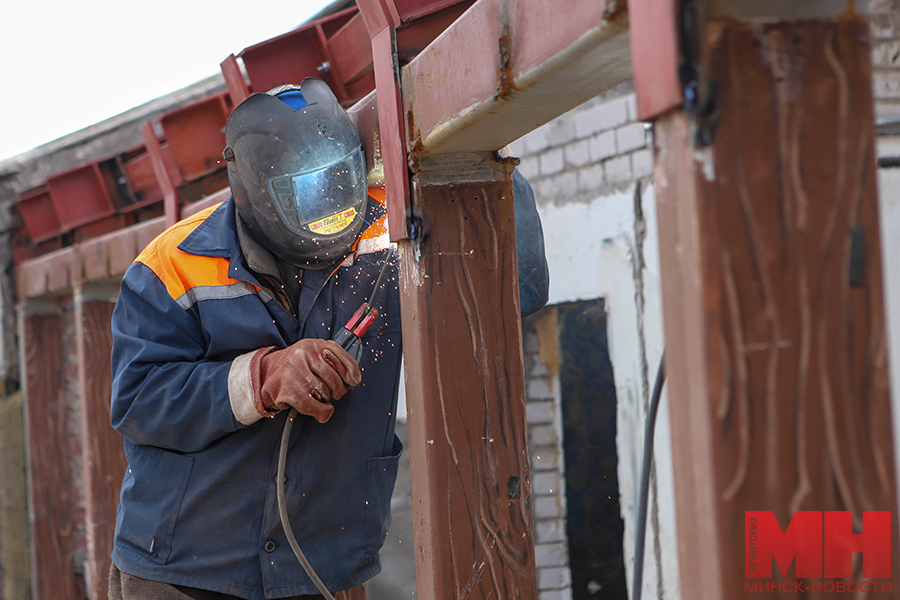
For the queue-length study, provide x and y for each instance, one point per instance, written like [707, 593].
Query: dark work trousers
[123, 586]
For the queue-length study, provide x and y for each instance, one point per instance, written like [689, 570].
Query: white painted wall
[889, 204]
[592, 251]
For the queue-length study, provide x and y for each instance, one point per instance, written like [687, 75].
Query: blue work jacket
[198, 503]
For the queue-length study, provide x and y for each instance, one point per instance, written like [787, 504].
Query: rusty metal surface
[504, 68]
[238, 90]
[357, 593]
[382, 18]
[164, 179]
[654, 56]
[40, 218]
[142, 177]
[195, 135]
[378, 15]
[414, 36]
[408, 10]
[329, 48]
[465, 396]
[393, 139]
[350, 43]
[776, 339]
[80, 196]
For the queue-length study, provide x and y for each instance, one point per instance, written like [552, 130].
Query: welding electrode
[348, 338]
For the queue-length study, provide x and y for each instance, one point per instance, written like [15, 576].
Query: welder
[223, 322]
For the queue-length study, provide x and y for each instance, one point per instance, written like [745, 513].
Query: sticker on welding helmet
[334, 223]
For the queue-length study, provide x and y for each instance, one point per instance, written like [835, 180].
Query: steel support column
[772, 292]
[471, 487]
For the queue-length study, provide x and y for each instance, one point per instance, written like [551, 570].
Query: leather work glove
[307, 376]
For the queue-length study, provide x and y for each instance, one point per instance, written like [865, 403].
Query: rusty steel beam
[506, 67]
[655, 53]
[238, 90]
[382, 19]
[471, 487]
[166, 185]
[772, 292]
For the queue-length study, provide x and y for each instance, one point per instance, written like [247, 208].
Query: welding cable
[358, 329]
[282, 508]
[641, 526]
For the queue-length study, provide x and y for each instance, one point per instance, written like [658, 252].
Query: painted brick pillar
[54, 509]
[104, 457]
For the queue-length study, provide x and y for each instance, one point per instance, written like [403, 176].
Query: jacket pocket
[152, 493]
[381, 476]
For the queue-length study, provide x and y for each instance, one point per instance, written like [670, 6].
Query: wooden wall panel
[773, 295]
[104, 458]
[471, 487]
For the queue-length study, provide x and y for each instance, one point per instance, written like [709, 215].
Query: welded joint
[448, 169]
[699, 92]
[616, 10]
[506, 83]
[418, 233]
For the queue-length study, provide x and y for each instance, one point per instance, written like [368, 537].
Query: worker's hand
[307, 376]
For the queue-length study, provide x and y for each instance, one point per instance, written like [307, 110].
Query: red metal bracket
[170, 198]
[654, 56]
[238, 89]
[382, 18]
[36, 208]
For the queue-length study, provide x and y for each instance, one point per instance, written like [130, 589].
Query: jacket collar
[217, 236]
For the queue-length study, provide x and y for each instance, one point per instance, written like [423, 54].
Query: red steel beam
[655, 52]
[238, 90]
[506, 67]
[382, 19]
[154, 150]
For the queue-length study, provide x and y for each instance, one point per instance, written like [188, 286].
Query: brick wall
[545, 451]
[588, 152]
[884, 17]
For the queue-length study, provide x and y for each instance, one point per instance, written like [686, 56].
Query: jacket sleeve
[534, 276]
[166, 393]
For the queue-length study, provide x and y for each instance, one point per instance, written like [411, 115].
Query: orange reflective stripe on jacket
[182, 272]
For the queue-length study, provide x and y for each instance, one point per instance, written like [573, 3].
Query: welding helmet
[297, 173]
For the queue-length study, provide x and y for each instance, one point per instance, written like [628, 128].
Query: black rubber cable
[641, 526]
[282, 508]
[282, 461]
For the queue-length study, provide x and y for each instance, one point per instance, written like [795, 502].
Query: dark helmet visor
[321, 201]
